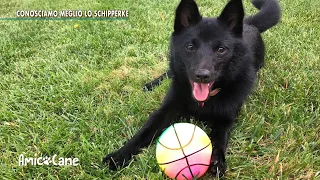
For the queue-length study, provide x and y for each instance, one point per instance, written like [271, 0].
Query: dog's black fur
[206, 54]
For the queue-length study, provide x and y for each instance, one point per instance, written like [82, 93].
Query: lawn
[73, 88]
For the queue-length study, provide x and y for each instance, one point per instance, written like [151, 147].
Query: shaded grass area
[76, 92]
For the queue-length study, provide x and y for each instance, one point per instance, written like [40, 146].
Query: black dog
[213, 65]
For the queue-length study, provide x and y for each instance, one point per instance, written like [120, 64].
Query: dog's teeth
[208, 84]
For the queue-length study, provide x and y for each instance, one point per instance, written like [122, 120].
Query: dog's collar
[214, 92]
[211, 93]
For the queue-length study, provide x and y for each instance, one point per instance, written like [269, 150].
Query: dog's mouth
[201, 91]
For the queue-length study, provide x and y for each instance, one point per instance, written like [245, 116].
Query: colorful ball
[184, 151]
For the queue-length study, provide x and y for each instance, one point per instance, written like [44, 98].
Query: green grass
[76, 92]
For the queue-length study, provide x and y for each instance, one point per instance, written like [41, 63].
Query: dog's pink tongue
[200, 91]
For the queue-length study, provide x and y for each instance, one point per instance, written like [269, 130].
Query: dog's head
[206, 46]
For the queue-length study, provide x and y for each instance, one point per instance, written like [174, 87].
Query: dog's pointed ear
[233, 15]
[187, 13]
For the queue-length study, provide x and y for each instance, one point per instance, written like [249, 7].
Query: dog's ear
[187, 13]
[233, 15]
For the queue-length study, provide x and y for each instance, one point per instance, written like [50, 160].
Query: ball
[183, 151]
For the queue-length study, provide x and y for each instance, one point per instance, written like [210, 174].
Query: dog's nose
[203, 75]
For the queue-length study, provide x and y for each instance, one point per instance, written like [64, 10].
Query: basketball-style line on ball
[194, 129]
[182, 148]
[185, 156]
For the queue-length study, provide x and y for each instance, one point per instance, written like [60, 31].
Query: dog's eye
[222, 50]
[190, 47]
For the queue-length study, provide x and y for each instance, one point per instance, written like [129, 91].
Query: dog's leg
[219, 138]
[157, 121]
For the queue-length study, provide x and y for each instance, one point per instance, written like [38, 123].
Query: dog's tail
[268, 16]
[156, 82]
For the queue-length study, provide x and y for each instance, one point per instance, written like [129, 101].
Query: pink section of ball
[197, 171]
[171, 169]
[199, 163]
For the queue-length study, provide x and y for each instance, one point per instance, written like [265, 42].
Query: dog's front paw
[218, 164]
[116, 160]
